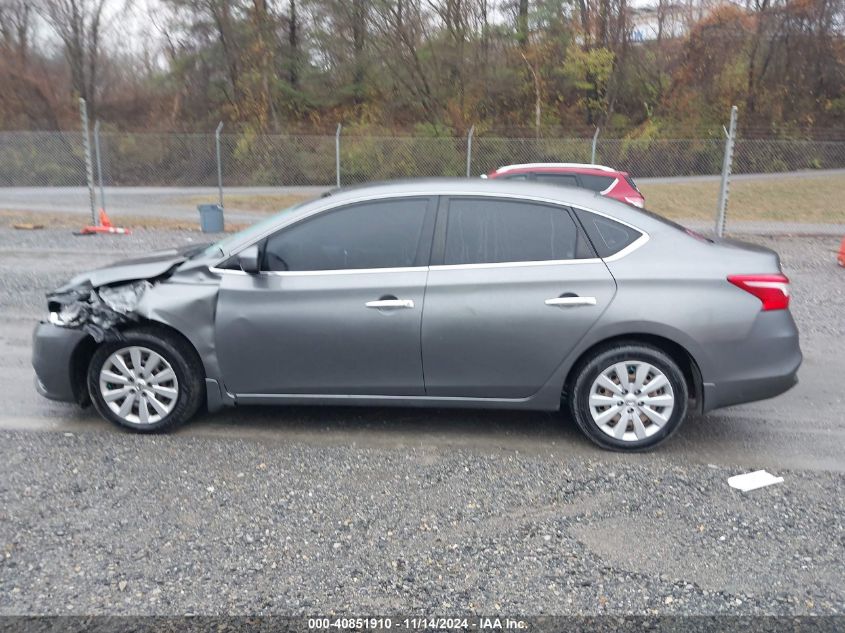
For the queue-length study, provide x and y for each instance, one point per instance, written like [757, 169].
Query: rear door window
[596, 183]
[490, 230]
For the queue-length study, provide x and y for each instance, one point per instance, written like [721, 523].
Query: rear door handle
[390, 304]
[569, 302]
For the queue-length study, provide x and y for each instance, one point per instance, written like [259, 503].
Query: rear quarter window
[596, 183]
[608, 236]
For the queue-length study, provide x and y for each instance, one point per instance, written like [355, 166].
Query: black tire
[182, 358]
[590, 368]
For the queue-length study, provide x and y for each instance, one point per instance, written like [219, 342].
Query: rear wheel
[629, 397]
[149, 381]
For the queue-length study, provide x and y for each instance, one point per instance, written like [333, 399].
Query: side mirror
[248, 259]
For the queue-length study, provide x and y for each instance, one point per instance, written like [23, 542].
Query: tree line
[426, 67]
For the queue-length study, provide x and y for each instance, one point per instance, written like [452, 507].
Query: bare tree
[402, 37]
[293, 42]
[522, 24]
[262, 55]
[359, 31]
[78, 24]
[16, 27]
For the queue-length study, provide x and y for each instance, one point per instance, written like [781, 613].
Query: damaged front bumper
[53, 357]
[79, 317]
[97, 311]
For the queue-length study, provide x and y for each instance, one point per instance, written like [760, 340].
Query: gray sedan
[435, 293]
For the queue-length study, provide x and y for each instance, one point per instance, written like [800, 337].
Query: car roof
[467, 186]
[553, 193]
[558, 194]
[558, 167]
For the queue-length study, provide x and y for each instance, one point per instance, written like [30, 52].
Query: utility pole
[219, 163]
[337, 154]
[727, 166]
[89, 168]
[469, 150]
[99, 164]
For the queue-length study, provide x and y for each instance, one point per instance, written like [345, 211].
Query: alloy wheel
[139, 385]
[631, 400]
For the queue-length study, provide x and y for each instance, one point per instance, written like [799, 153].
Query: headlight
[98, 311]
[66, 316]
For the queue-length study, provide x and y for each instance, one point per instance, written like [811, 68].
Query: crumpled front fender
[190, 309]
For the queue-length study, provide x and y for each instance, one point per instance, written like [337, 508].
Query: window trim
[529, 263]
[441, 205]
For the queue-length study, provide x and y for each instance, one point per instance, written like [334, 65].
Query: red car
[604, 180]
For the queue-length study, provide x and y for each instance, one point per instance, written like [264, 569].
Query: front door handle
[568, 302]
[390, 304]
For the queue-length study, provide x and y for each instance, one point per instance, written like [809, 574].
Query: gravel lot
[363, 511]
[103, 523]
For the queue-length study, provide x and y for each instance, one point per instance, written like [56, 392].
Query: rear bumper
[763, 364]
[739, 392]
[53, 350]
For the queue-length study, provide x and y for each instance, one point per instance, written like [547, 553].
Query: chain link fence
[181, 163]
[42, 159]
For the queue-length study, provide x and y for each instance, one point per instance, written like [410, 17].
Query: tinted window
[482, 231]
[517, 177]
[608, 236]
[383, 234]
[567, 180]
[596, 183]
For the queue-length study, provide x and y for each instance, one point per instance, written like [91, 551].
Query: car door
[336, 308]
[513, 286]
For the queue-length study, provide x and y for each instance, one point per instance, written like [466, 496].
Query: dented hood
[146, 267]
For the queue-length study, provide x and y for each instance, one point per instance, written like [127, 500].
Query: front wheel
[149, 381]
[629, 397]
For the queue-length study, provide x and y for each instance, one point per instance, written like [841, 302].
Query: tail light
[772, 290]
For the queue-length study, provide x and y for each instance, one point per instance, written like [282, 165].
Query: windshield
[219, 248]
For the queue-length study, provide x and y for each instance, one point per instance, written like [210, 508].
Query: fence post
[99, 164]
[337, 154]
[89, 169]
[593, 153]
[727, 165]
[469, 151]
[219, 162]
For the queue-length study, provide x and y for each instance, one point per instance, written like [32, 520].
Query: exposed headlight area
[64, 315]
[96, 310]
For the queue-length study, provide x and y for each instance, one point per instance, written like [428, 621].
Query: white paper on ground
[752, 481]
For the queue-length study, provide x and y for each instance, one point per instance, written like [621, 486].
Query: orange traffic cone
[841, 256]
[105, 226]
